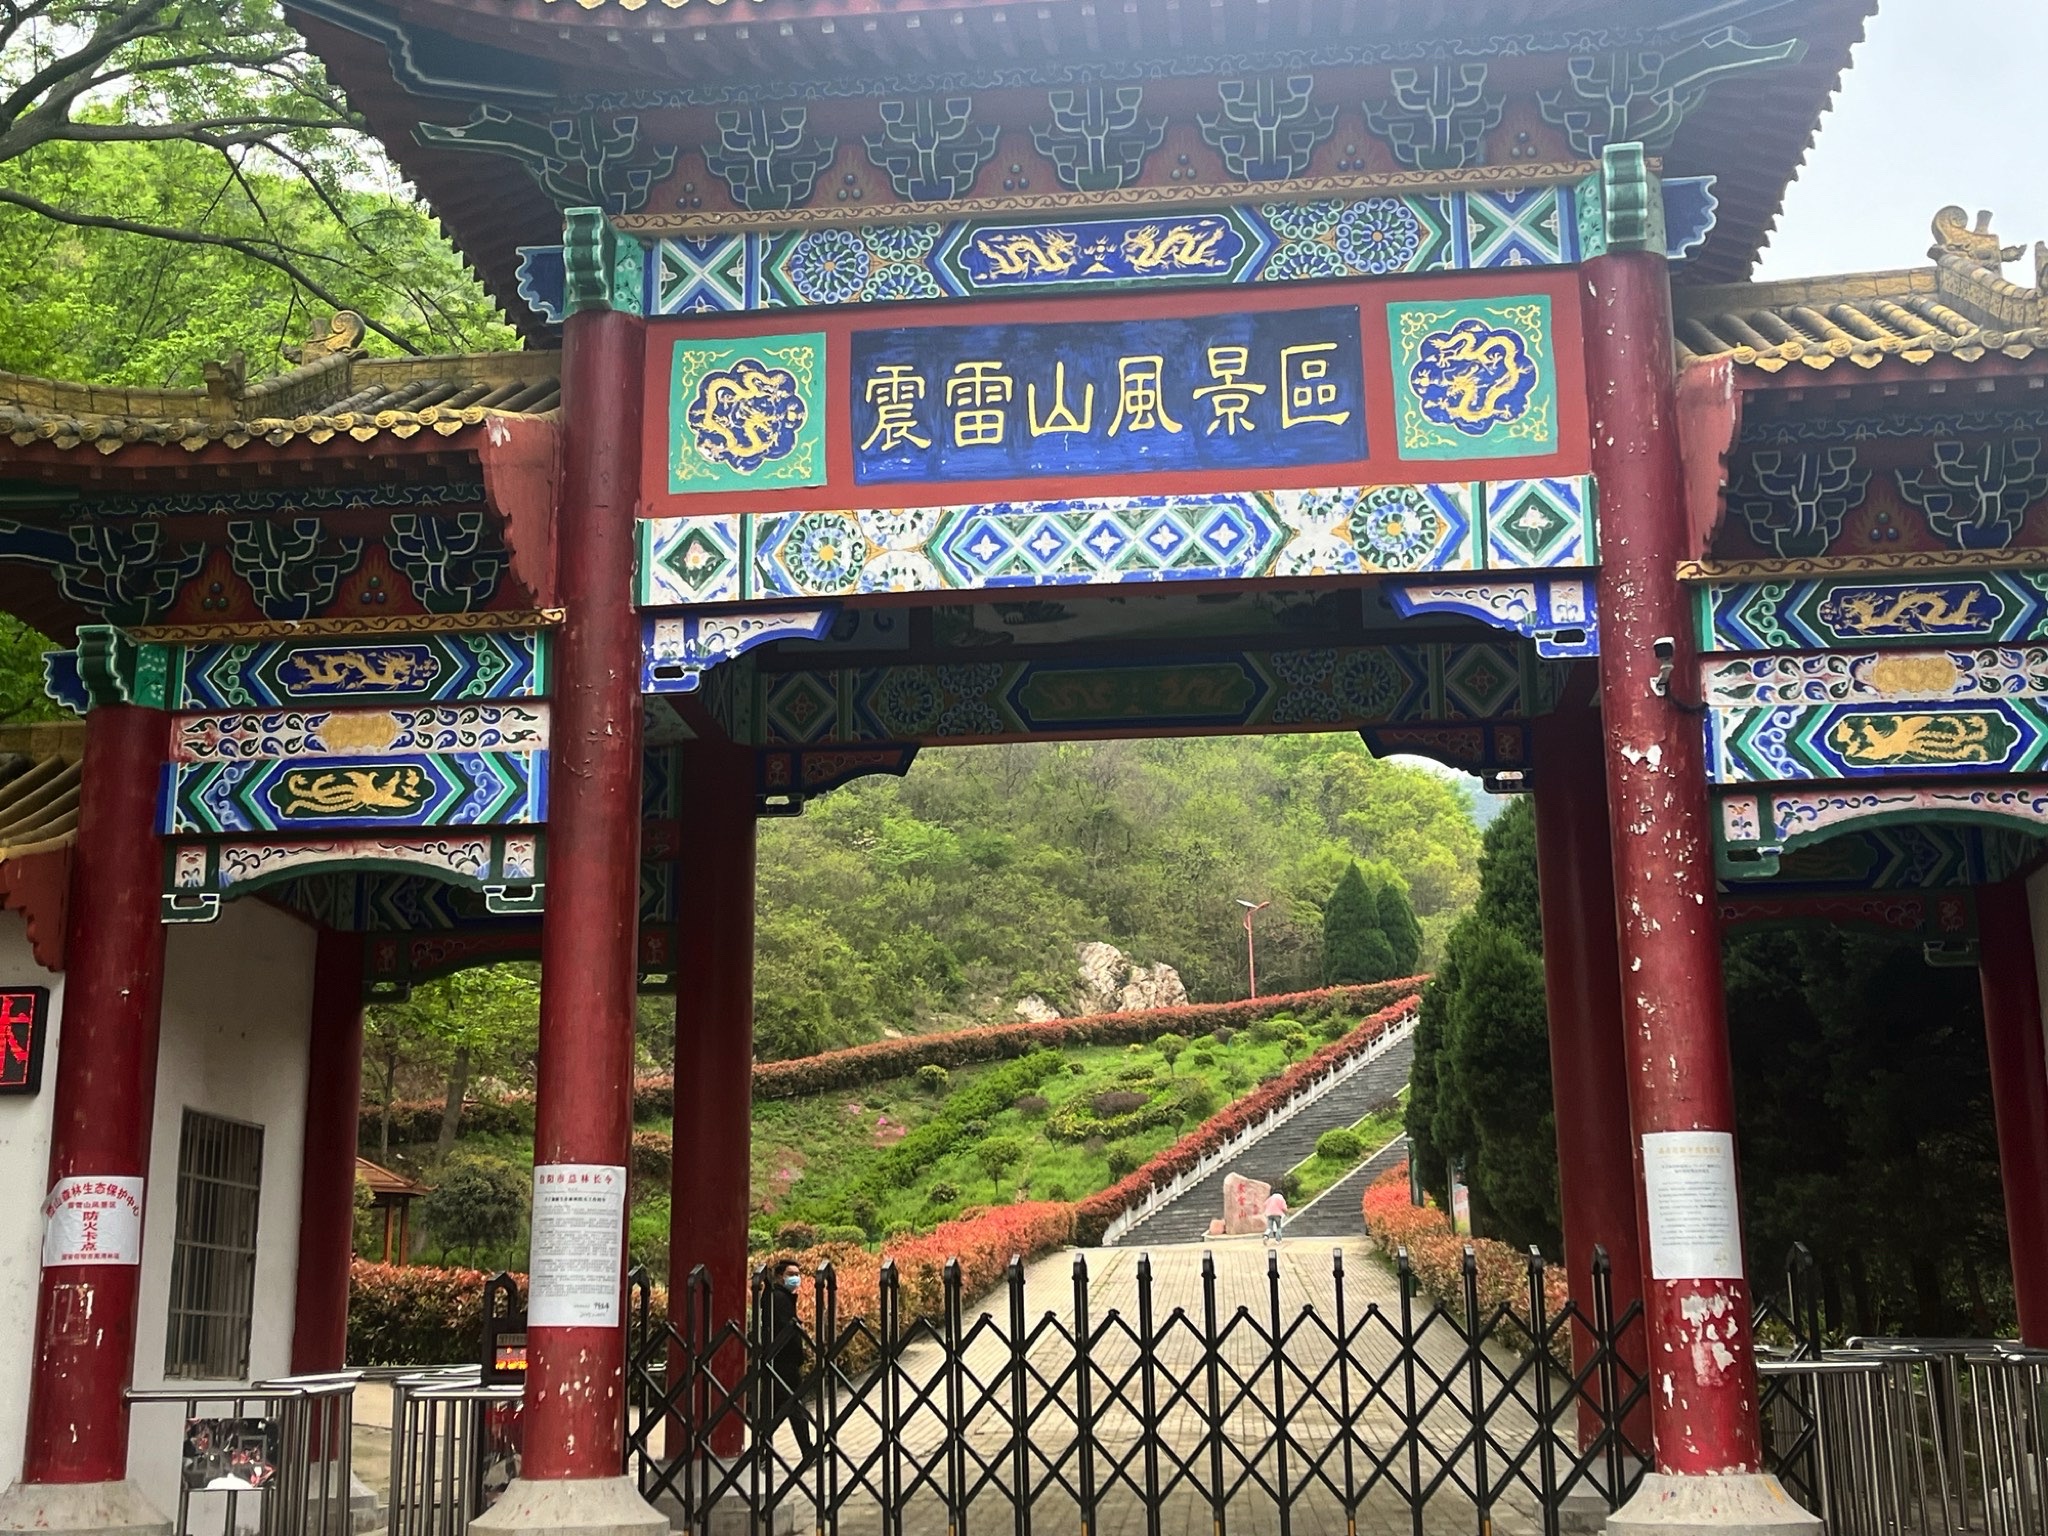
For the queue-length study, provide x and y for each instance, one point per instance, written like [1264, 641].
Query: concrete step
[1186, 1219]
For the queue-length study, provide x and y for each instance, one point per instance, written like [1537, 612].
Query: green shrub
[759, 1238]
[973, 1130]
[1032, 1106]
[899, 1229]
[796, 1235]
[1290, 1185]
[1296, 1042]
[476, 1202]
[932, 1077]
[1236, 1078]
[1057, 1191]
[845, 1234]
[862, 1211]
[1202, 1056]
[1170, 1045]
[1341, 1145]
[942, 1193]
[1112, 1102]
[1124, 1159]
[1223, 1034]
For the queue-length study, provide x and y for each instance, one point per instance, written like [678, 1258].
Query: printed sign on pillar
[93, 1219]
[579, 1243]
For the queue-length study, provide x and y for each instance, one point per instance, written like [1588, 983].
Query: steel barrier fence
[1000, 1419]
[284, 1445]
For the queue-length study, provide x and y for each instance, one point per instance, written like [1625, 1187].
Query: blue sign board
[1253, 390]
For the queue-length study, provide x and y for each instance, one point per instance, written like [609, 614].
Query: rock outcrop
[1110, 983]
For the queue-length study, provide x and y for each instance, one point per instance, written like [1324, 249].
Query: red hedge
[1094, 1214]
[1436, 1254]
[654, 1097]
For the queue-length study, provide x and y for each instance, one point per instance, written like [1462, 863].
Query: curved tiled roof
[340, 394]
[39, 772]
[1961, 307]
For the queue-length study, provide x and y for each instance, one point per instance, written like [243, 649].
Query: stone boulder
[1036, 1010]
[1109, 983]
[1244, 1205]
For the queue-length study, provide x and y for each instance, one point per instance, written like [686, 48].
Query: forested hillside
[949, 894]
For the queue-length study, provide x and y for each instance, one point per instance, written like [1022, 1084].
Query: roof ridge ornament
[344, 333]
[1953, 236]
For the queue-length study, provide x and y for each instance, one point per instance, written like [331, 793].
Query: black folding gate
[1487, 1415]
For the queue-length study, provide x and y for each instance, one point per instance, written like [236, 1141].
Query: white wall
[25, 1154]
[238, 996]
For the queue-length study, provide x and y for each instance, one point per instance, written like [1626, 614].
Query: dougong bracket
[1556, 612]
[677, 651]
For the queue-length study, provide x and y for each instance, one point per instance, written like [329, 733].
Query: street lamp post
[1251, 954]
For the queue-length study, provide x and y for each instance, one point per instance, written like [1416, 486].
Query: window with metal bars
[213, 1266]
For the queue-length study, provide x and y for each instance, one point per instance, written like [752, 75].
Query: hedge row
[1436, 1254]
[415, 1315]
[1093, 1215]
[418, 1120]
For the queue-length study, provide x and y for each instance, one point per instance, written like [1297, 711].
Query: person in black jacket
[785, 1357]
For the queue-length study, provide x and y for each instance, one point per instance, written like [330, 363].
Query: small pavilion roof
[338, 392]
[1963, 307]
[385, 1184]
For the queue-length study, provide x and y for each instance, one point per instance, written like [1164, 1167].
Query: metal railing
[454, 1448]
[1902, 1436]
[286, 1444]
[1166, 1416]
[1159, 1195]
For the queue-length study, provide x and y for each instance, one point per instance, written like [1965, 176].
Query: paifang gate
[935, 374]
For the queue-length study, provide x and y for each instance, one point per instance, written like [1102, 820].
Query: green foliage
[1170, 1046]
[796, 1236]
[994, 1154]
[1290, 1186]
[366, 1230]
[847, 1233]
[1123, 1160]
[1398, 924]
[1296, 1042]
[1480, 1084]
[1340, 1144]
[912, 903]
[1354, 949]
[187, 185]
[477, 1202]
[1865, 1128]
[933, 1078]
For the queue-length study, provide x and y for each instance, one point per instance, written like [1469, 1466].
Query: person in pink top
[1276, 1213]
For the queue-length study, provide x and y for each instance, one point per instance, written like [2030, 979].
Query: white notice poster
[94, 1218]
[1689, 1185]
[579, 1241]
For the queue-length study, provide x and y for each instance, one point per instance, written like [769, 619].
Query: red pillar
[327, 1180]
[583, 1114]
[1681, 1093]
[106, 1099]
[715, 1040]
[2019, 1090]
[1582, 991]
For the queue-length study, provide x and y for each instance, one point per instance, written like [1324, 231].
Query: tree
[487, 1019]
[1397, 921]
[130, 126]
[1170, 1046]
[996, 1153]
[477, 1203]
[1354, 947]
[1480, 1084]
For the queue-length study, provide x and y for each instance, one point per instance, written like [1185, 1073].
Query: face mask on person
[791, 1282]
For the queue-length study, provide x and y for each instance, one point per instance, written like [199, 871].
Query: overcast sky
[1941, 106]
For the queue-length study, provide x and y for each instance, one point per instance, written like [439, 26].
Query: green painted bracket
[602, 268]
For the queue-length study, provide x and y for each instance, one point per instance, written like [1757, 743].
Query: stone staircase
[1186, 1218]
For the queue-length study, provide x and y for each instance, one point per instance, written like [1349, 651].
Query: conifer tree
[1397, 922]
[1354, 948]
